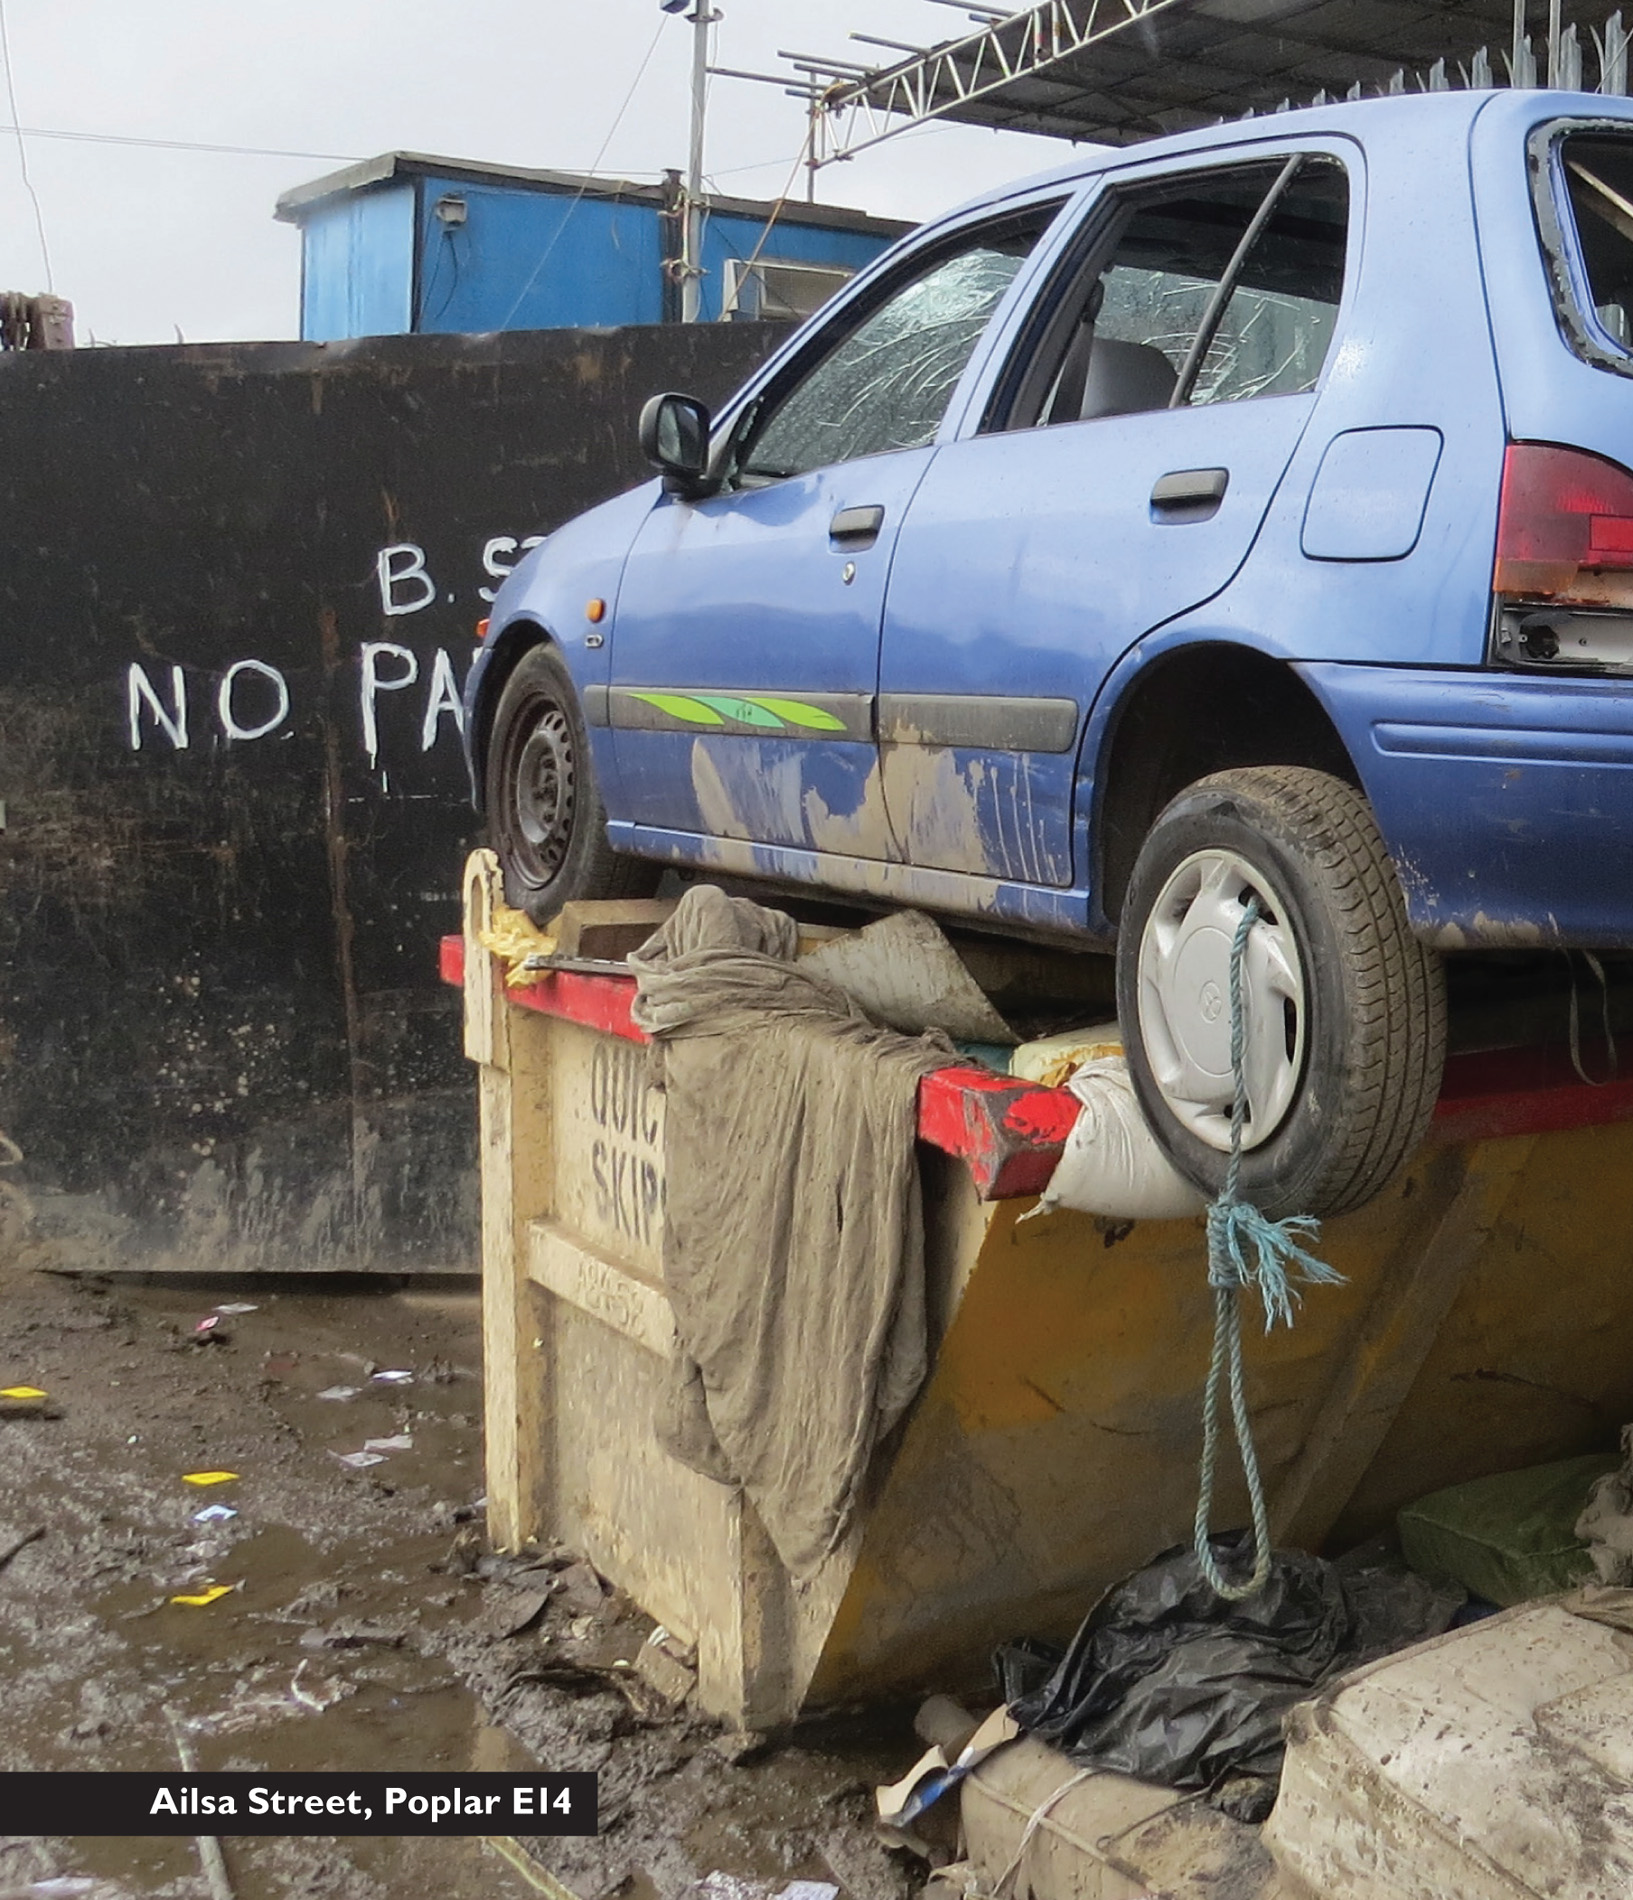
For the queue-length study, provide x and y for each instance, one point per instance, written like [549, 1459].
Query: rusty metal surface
[235, 607]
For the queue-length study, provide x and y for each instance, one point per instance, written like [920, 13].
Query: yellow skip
[205, 1596]
[208, 1477]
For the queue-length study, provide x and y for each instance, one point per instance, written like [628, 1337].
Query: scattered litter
[403, 1441]
[317, 1696]
[393, 1378]
[719, 1886]
[464, 1557]
[670, 1667]
[22, 1543]
[26, 1401]
[581, 1588]
[234, 1307]
[809, 1890]
[63, 1887]
[347, 1635]
[214, 1514]
[358, 1460]
[513, 937]
[201, 1599]
[509, 1612]
[900, 1803]
[209, 1848]
[209, 1477]
[340, 1392]
[207, 1326]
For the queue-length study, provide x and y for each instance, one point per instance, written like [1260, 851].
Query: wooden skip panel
[626, 1301]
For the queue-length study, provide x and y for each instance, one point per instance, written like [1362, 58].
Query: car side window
[1215, 288]
[885, 381]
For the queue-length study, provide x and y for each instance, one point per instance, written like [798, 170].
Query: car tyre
[1344, 1011]
[545, 816]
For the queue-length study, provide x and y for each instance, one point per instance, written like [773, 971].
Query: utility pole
[702, 18]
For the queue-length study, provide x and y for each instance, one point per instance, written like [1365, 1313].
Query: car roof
[1437, 116]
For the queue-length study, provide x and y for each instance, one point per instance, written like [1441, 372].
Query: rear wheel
[545, 815]
[1343, 1010]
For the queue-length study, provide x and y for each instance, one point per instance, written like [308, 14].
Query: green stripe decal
[694, 711]
[795, 712]
[746, 712]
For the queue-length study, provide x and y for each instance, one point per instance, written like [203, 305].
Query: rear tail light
[1564, 528]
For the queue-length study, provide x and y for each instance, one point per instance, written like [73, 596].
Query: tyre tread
[1395, 985]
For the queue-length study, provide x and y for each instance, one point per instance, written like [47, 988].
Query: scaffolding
[1117, 71]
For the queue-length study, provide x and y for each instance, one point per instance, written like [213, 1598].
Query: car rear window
[1595, 178]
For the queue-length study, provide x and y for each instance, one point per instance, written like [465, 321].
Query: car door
[1126, 460]
[745, 643]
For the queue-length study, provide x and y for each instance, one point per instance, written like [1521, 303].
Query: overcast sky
[148, 242]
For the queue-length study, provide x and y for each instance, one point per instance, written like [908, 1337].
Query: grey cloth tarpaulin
[793, 1232]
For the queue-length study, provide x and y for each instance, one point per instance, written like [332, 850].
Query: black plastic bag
[1167, 1681]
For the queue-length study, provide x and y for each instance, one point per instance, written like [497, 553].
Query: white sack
[1112, 1164]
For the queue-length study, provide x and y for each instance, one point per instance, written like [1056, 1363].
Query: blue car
[1239, 521]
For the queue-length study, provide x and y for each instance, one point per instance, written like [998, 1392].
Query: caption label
[297, 1804]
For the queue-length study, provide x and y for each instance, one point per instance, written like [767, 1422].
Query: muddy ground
[366, 1625]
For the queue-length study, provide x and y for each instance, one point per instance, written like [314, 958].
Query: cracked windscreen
[1598, 175]
[886, 383]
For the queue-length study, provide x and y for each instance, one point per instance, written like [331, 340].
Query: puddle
[299, 1666]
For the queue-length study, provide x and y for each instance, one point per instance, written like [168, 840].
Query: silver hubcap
[544, 789]
[1184, 999]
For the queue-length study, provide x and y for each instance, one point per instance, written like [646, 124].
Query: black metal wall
[237, 589]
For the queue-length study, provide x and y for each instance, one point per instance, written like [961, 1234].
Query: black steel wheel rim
[542, 784]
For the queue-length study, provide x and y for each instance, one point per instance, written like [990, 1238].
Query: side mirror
[675, 438]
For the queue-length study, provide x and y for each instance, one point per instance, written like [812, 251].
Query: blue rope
[1234, 1227]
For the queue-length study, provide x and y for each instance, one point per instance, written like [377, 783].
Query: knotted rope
[1235, 1226]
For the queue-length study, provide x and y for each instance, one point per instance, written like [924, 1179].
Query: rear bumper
[1506, 800]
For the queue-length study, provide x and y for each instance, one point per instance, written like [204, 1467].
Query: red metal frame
[1009, 1134]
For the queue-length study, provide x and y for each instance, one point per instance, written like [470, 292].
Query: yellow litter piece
[513, 937]
[208, 1477]
[21, 1392]
[205, 1596]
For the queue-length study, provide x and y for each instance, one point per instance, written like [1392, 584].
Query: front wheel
[545, 816]
[1343, 1011]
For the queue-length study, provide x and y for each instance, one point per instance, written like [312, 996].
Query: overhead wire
[729, 305]
[578, 196]
[171, 145]
[22, 151]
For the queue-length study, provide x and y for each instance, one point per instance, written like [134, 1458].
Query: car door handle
[1189, 494]
[855, 526]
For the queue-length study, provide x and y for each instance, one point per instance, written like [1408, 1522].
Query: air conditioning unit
[776, 291]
